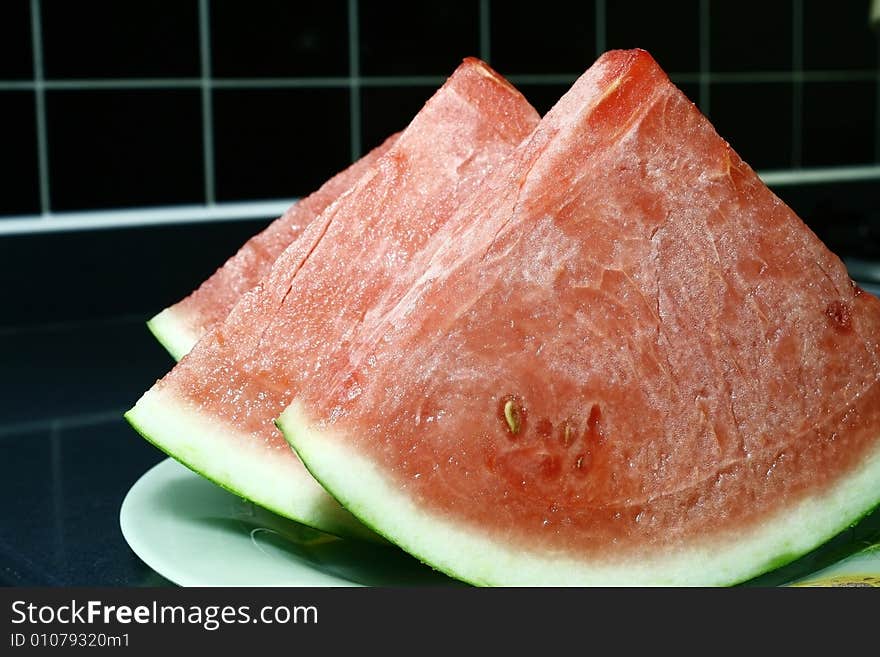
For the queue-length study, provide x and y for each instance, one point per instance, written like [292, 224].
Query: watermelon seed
[594, 430]
[582, 462]
[511, 415]
[566, 435]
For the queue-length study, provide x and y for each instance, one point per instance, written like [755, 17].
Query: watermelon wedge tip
[182, 324]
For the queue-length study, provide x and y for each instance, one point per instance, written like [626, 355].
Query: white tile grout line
[56, 469]
[820, 175]
[354, 87]
[705, 30]
[207, 102]
[601, 27]
[253, 210]
[744, 77]
[40, 107]
[62, 423]
[485, 32]
[136, 217]
[797, 90]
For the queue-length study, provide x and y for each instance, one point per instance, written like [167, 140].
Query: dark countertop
[67, 457]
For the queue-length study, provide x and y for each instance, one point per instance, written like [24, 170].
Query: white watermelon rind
[172, 333]
[471, 555]
[272, 479]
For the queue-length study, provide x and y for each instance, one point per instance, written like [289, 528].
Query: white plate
[194, 533]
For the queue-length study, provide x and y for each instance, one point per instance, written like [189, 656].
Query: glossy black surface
[67, 458]
[80, 276]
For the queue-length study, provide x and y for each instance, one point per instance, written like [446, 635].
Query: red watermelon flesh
[180, 326]
[215, 410]
[634, 364]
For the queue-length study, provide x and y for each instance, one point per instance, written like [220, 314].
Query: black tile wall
[107, 38]
[400, 37]
[668, 30]
[275, 143]
[751, 35]
[127, 110]
[691, 90]
[837, 35]
[127, 147]
[16, 50]
[275, 38]
[543, 96]
[18, 154]
[99, 155]
[386, 110]
[839, 122]
[756, 120]
[517, 32]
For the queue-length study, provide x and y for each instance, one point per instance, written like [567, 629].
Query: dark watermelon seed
[582, 462]
[567, 433]
[544, 428]
[550, 467]
[593, 432]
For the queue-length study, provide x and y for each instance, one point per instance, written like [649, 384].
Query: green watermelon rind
[851, 540]
[469, 554]
[241, 465]
[172, 333]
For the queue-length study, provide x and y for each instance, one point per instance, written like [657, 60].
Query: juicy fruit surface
[211, 302]
[325, 286]
[638, 348]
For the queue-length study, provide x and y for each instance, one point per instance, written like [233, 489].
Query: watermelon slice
[214, 412]
[638, 367]
[180, 326]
